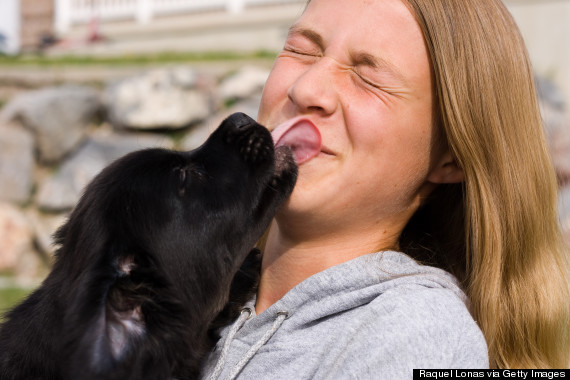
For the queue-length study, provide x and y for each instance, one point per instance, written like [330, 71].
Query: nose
[240, 120]
[314, 90]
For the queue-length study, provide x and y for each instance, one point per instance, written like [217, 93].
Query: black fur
[146, 260]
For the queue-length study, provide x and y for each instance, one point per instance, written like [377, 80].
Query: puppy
[145, 261]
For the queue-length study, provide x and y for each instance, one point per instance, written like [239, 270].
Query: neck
[288, 260]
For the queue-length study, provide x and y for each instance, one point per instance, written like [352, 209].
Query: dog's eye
[192, 174]
[182, 175]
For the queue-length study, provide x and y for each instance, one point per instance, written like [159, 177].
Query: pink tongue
[301, 135]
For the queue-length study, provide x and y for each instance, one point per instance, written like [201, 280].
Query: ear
[124, 322]
[115, 329]
[446, 170]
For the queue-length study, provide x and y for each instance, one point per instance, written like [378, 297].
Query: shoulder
[436, 314]
[423, 307]
[413, 326]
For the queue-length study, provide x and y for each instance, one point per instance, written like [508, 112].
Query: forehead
[383, 28]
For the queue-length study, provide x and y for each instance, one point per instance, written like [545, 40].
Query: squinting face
[359, 70]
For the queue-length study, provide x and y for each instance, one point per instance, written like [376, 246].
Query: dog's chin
[284, 161]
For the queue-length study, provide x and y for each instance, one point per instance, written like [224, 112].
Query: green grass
[9, 297]
[142, 59]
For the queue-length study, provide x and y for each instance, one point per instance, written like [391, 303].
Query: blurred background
[83, 82]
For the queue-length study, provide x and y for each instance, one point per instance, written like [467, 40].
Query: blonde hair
[499, 230]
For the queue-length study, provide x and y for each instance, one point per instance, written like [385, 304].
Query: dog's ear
[111, 335]
[124, 320]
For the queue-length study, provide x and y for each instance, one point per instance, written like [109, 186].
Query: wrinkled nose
[314, 90]
[241, 120]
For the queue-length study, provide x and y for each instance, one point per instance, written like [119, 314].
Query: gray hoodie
[375, 317]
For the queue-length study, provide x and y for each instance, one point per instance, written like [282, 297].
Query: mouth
[326, 151]
[301, 136]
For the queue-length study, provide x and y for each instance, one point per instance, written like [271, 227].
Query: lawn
[10, 296]
[134, 59]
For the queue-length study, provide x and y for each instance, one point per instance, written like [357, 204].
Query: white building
[10, 26]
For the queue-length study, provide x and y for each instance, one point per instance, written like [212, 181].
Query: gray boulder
[200, 133]
[163, 98]
[197, 136]
[57, 116]
[247, 82]
[559, 141]
[16, 236]
[557, 125]
[564, 211]
[16, 163]
[62, 191]
[549, 93]
[44, 225]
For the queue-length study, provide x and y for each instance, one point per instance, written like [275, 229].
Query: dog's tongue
[301, 135]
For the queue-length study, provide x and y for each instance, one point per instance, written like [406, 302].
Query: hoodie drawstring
[244, 316]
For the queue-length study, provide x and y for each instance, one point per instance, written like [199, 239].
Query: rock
[16, 163]
[62, 191]
[249, 106]
[557, 125]
[30, 268]
[552, 107]
[559, 142]
[243, 84]
[16, 236]
[564, 211]
[200, 133]
[55, 126]
[549, 93]
[58, 117]
[44, 227]
[164, 98]
[196, 136]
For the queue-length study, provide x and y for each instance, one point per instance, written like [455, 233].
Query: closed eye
[365, 80]
[299, 52]
[387, 89]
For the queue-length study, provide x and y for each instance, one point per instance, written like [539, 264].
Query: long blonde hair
[499, 230]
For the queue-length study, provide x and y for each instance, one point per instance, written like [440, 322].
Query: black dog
[146, 260]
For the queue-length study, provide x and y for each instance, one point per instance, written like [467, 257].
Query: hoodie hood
[357, 282]
[335, 297]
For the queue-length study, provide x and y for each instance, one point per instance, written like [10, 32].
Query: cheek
[398, 130]
[275, 90]
[393, 147]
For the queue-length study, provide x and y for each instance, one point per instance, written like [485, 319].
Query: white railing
[70, 12]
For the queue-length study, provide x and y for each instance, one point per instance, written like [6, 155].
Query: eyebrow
[310, 34]
[358, 58]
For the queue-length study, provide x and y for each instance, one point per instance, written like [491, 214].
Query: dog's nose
[241, 120]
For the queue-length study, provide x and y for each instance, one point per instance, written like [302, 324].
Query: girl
[426, 221]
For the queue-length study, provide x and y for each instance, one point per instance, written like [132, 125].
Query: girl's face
[359, 70]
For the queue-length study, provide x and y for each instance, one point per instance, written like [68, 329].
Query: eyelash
[366, 81]
[296, 51]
